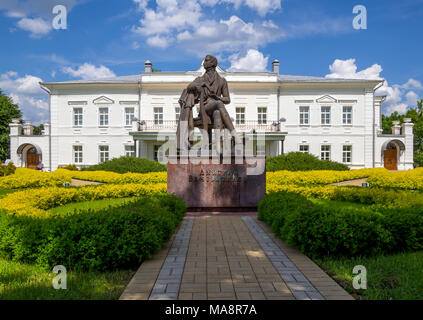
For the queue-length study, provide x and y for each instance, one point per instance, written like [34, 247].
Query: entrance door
[390, 159]
[32, 158]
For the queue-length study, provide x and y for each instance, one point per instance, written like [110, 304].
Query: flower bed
[27, 178]
[36, 202]
[108, 239]
[411, 180]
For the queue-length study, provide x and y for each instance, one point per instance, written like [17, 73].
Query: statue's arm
[194, 86]
[226, 99]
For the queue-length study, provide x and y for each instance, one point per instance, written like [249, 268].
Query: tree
[8, 111]
[416, 116]
[37, 130]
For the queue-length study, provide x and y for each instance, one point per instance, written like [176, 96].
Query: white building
[93, 121]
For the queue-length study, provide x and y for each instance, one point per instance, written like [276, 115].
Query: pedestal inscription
[212, 187]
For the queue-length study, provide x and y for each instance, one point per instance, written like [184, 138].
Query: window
[130, 151]
[347, 115]
[325, 115]
[240, 115]
[104, 116]
[304, 148]
[77, 116]
[77, 154]
[158, 115]
[325, 152]
[262, 115]
[261, 149]
[129, 116]
[177, 113]
[347, 154]
[304, 115]
[104, 153]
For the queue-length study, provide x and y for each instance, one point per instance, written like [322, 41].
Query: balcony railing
[246, 126]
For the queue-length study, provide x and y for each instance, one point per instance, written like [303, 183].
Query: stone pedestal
[218, 187]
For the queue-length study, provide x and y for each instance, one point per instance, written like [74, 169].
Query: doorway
[391, 157]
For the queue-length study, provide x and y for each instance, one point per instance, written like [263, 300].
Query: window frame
[261, 116]
[158, 116]
[344, 152]
[329, 152]
[240, 116]
[345, 116]
[104, 151]
[131, 118]
[301, 115]
[325, 116]
[79, 152]
[304, 145]
[80, 116]
[103, 117]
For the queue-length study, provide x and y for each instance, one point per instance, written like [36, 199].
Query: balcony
[171, 125]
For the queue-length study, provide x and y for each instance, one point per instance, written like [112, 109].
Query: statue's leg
[218, 126]
[228, 123]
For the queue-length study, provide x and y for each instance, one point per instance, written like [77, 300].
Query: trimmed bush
[108, 239]
[128, 164]
[320, 230]
[6, 170]
[298, 161]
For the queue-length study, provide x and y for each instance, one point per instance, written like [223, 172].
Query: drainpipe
[49, 120]
[374, 124]
[280, 144]
[136, 143]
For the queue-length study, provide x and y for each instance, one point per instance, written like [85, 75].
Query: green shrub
[70, 167]
[128, 164]
[7, 170]
[108, 239]
[319, 230]
[298, 161]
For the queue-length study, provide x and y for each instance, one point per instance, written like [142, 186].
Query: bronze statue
[212, 93]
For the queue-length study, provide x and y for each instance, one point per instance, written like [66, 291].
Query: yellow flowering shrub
[27, 178]
[411, 180]
[117, 178]
[37, 202]
[319, 177]
[378, 197]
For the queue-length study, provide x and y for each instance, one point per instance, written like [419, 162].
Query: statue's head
[210, 62]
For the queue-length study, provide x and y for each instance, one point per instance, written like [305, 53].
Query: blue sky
[309, 37]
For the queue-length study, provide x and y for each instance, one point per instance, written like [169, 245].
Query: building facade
[94, 121]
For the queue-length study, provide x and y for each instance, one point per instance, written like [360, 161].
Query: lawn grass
[19, 281]
[5, 192]
[95, 205]
[396, 277]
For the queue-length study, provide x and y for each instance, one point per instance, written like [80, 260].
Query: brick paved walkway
[230, 257]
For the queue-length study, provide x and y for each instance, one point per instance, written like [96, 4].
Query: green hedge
[298, 161]
[320, 230]
[128, 164]
[86, 240]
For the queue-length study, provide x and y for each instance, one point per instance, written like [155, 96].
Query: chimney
[148, 66]
[275, 66]
[396, 128]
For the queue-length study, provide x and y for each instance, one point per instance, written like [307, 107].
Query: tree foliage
[8, 111]
[416, 116]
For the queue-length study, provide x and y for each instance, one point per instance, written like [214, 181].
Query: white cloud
[34, 16]
[183, 23]
[88, 71]
[398, 97]
[253, 61]
[26, 92]
[37, 27]
[347, 69]
[412, 84]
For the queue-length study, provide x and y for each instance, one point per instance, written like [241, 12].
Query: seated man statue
[211, 91]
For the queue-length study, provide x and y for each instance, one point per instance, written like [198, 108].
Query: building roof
[281, 78]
